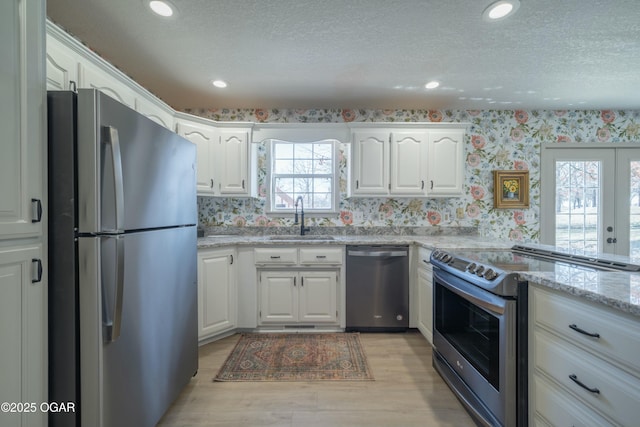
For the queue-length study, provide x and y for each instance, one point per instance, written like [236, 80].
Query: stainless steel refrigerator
[122, 259]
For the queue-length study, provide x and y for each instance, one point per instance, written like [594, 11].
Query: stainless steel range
[480, 324]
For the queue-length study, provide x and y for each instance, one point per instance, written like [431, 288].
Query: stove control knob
[479, 270]
[471, 267]
[447, 258]
[490, 274]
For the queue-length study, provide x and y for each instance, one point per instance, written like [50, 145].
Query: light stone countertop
[617, 290]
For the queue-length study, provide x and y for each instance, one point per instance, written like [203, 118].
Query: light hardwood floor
[406, 392]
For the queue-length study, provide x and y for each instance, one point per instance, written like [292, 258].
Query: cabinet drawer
[619, 337]
[276, 256]
[320, 256]
[555, 408]
[618, 393]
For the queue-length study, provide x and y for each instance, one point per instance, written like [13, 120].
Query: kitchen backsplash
[496, 139]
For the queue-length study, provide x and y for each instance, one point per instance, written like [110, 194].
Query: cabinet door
[278, 297]
[445, 162]
[154, 112]
[233, 162]
[62, 66]
[205, 139]
[92, 77]
[318, 293]
[23, 316]
[23, 89]
[217, 292]
[425, 303]
[370, 163]
[408, 163]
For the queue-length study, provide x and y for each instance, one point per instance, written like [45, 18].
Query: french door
[590, 198]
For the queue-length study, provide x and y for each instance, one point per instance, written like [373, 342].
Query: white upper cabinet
[407, 161]
[22, 146]
[370, 163]
[223, 156]
[233, 162]
[160, 115]
[445, 169]
[71, 65]
[62, 66]
[92, 76]
[205, 139]
[407, 166]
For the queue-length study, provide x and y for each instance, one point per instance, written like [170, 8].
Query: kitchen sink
[298, 237]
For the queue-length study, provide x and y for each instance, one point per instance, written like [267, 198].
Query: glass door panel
[577, 214]
[591, 199]
[628, 202]
[577, 207]
[634, 209]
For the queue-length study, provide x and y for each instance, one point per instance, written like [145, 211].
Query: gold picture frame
[510, 189]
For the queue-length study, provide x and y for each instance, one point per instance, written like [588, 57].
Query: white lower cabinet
[298, 297]
[425, 296]
[23, 316]
[217, 292]
[299, 286]
[583, 362]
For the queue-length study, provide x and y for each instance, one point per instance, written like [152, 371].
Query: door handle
[612, 240]
[110, 136]
[114, 322]
[38, 272]
[36, 215]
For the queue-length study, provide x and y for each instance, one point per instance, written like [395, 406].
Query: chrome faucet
[303, 229]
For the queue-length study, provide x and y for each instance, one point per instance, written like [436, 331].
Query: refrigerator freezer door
[132, 380]
[157, 168]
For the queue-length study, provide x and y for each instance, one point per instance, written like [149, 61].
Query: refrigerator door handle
[110, 136]
[113, 322]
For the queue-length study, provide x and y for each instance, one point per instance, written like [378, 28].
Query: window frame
[270, 179]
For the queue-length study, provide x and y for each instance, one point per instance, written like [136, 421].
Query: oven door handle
[471, 293]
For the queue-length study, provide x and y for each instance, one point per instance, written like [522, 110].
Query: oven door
[475, 334]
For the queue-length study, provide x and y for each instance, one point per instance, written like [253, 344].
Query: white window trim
[269, 210]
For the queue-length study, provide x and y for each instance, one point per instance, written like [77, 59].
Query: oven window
[471, 330]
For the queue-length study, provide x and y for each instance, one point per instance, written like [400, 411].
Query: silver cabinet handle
[114, 323]
[275, 257]
[211, 182]
[110, 136]
[431, 184]
[321, 256]
[243, 184]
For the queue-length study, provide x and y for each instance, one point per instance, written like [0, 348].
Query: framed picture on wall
[510, 189]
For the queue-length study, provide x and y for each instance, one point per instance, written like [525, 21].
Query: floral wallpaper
[496, 139]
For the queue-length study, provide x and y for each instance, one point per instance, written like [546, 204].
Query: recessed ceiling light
[161, 8]
[432, 85]
[219, 83]
[500, 9]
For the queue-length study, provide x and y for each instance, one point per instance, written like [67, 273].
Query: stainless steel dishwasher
[377, 288]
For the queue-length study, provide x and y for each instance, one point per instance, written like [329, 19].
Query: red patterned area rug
[296, 357]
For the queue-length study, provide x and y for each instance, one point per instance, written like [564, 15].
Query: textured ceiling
[552, 54]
